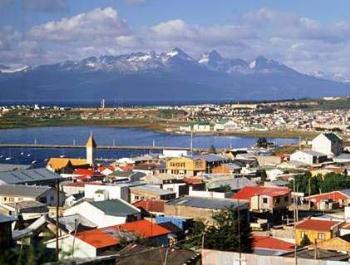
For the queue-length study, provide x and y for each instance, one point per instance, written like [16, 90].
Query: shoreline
[169, 128]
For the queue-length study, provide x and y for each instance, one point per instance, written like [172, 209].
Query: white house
[328, 143]
[308, 157]
[105, 213]
[272, 174]
[111, 191]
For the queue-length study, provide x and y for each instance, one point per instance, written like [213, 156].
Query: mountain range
[167, 76]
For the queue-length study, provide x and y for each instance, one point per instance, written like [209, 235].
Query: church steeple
[90, 149]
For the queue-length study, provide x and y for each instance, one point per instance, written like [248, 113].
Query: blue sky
[311, 36]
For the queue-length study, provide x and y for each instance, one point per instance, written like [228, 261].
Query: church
[67, 165]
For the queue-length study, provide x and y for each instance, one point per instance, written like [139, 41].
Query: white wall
[114, 191]
[94, 215]
[206, 194]
[81, 248]
[301, 157]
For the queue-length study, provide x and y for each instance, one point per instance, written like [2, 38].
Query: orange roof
[316, 224]
[144, 229]
[59, 163]
[91, 142]
[249, 191]
[268, 242]
[150, 205]
[97, 238]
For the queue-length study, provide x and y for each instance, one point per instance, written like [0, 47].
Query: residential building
[38, 176]
[308, 157]
[18, 193]
[227, 168]
[316, 230]
[188, 166]
[203, 208]
[330, 200]
[150, 192]
[265, 202]
[66, 165]
[105, 213]
[328, 143]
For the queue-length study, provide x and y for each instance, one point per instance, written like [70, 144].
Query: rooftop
[29, 191]
[316, 224]
[150, 205]
[144, 228]
[207, 203]
[28, 176]
[151, 189]
[115, 207]
[249, 191]
[268, 242]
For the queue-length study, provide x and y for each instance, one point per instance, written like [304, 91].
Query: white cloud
[301, 42]
[98, 24]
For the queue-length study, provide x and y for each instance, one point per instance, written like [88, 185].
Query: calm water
[106, 136]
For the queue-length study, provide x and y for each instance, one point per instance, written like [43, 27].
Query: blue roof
[28, 176]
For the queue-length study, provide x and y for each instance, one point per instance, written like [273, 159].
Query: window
[278, 200]
[302, 234]
[321, 236]
[136, 197]
[264, 200]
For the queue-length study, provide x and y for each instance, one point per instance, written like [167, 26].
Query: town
[289, 118]
[182, 207]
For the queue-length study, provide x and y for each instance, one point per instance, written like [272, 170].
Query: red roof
[316, 224]
[247, 192]
[334, 195]
[268, 242]
[144, 229]
[150, 205]
[98, 238]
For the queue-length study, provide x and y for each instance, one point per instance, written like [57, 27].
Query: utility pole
[57, 218]
[294, 217]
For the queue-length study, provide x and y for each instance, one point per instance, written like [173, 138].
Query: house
[18, 193]
[105, 213]
[316, 230]
[272, 174]
[265, 202]
[150, 206]
[38, 176]
[330, 200]
[227, 168]
[308, 157]
[150, 192]
[328, 143]
[203, 208]
[6, 231]
[188, 166]
[267, 245]
[111, 191]
[337, 244]
[93, 243]
[28, 210]
[201, 126]
[70, 224]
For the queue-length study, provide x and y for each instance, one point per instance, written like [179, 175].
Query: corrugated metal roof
[115, 207]
[23, 190]
[28, 176]
[208, 203]
[151, 189]
[12, 167]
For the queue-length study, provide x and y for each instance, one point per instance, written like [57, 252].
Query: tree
[305, 241]
[229, 232]
[194, 236]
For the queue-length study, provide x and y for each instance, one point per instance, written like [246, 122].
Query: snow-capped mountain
[172, 75]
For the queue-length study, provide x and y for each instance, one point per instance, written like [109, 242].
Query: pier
[111, 147]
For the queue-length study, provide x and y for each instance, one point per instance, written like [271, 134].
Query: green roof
[115, 207]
